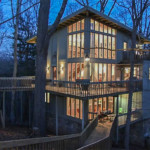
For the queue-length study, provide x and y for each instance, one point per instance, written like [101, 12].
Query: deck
[87, 90]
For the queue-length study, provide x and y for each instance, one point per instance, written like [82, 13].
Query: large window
[76, 40]
[102, 72]
[74, 107]
[75, 71]
[104, 39]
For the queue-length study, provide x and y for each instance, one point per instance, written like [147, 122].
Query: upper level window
[125, 46]
[105, 28]
[76, 26]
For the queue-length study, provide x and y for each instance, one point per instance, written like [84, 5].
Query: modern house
[88, 71]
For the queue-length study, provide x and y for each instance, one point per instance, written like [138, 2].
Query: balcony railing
[82, 88]
[91, 89]
[138, 56]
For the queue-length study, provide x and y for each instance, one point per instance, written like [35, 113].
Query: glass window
[110, 104]
[74, 46]
[109, 72]
[92, 24]
[113, 72]
[95, 105]
[80, 109]
[70, 46]
[92, 50]
[73, 71]
[69, 72]
[96, 73]
[78, 45]
[74, 27]
[105, 29]
[113, 32]
[96, 26]
[72, 107]
[104, 104]
[96, 45]
[125, 46]
[70, 28]
[113, 48]
[109, 30]
[101, 27]
[109, 47]
[100, 46]
[82, 44]
[82, 24]
[82, 71]
[99, 105]
[78, 70]
[100, 73]
[77, 108]
[78, 25]
[104, 72]
[68, 106]
[105, 46]
[54, 73]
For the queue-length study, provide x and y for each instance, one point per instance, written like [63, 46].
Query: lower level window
[74, 107]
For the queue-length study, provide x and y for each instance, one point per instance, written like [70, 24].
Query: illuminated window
[104, 72]
[101, 27]
[73, 72]
[74, 46]
[109, 72]
[68, 106]
[113, 32]
[82, 24]
[100, 72]
[47, 97]
[82, 44]
[109, 47]
[70, 28]
[78, 25]
[105, 29]
[113, 48]
[92, 24]
[72, 107]
[69, 72]
[96, 26]
[54, 73]
[109, 30]
[105, 46]
[96, 45]
[104, 104]
[100, 46]
[125, 46]
[78, 44]
[77, 108]
[113, 72]
[74, 27]
[70, 46]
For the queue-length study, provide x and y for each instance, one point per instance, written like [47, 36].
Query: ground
[16, 132]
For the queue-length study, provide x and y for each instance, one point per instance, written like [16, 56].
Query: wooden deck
[72, 89]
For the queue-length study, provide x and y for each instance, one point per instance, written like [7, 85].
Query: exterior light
[48, 69]
[62, 68]
[87, 58]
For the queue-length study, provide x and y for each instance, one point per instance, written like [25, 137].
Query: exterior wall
[146, 90]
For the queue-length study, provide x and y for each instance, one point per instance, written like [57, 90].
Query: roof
[81, 13]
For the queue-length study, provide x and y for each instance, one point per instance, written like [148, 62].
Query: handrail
[64, 141]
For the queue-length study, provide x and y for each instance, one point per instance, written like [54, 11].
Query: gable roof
[88, 11]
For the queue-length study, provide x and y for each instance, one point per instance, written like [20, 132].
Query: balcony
[90, 90]
[139, 57]
[83, 89]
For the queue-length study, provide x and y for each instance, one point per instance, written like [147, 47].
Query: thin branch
[19, 13]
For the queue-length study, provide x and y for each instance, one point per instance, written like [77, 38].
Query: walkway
[100, 132]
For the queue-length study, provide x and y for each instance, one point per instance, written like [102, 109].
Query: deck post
[83, 115]
[56, 116]
[117, 130]
[21, 108]
[4, 110]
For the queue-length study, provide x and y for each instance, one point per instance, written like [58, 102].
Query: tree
[43, 37]
[26, 52]
[135, 8]
[15, 25]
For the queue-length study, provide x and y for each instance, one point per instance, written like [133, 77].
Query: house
[88, 71]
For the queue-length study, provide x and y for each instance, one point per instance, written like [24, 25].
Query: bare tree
[15, 25]
[136, 13]
[43, 37]
[83, 2]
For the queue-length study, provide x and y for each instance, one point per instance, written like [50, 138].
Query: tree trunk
[12, 115]
[131, 86]
[39, 101]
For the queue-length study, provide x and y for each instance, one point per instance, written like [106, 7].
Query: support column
[21, 116]
[117, 130]
[4, 110]
[56, 115]
[83, 117]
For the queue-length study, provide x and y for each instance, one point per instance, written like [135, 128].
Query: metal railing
[66, 142]
[92, 89]
[138, 56]
[18, 83]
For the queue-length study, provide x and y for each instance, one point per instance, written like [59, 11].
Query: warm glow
[62, 68]
[48, 69]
